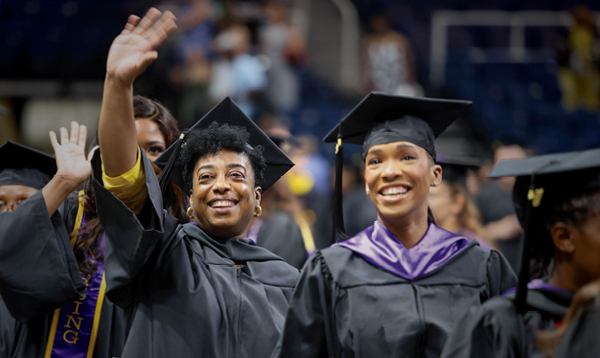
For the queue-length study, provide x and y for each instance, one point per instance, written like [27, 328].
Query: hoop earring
[259, 209]
[190, 213]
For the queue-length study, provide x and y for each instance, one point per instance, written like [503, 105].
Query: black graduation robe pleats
[582, 338]
[192, 295]
[345, 307]
[281, 235]
[38, 274]
[496, 330]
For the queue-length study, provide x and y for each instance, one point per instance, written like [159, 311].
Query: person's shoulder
[274, 272]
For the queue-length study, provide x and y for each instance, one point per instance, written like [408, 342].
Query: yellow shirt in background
[129, 187]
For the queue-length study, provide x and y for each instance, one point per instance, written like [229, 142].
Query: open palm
[135, 48]
[73, 166]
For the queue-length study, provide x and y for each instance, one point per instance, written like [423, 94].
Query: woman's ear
[257, 194]
[563, 236]
[437, 174]
[367, 190]
[191, 195]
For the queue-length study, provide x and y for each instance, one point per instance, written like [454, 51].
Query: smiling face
[223, 195]
[398, 176]
[12, 196]
[151, 140]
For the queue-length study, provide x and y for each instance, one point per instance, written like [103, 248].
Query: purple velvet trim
[537, 284]
[472, 236]
[380, 247]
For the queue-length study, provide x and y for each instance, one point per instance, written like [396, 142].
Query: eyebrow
[211, 166]
[155, 142]
[376, 151]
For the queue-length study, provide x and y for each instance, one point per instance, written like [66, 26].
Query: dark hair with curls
[581, 204]
[175, 199]
[215, 138]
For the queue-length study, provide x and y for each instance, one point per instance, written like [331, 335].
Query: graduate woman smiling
[397, 288]
[198, 289]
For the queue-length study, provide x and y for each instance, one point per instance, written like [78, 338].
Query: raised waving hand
[73, 165]
[130, 54]
[135, 48]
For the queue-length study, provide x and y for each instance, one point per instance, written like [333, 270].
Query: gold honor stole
[75, 325]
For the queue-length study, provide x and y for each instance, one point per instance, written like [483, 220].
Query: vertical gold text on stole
[74, 319]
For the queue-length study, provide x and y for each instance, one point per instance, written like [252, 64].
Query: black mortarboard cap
[382, 118]
[21, 165]
[226, 112]
[543, 181]
[455, 168]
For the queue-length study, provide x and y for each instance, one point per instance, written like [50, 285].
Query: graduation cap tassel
[521, 298]
[338, 232]
[534, 198]
[166, 174]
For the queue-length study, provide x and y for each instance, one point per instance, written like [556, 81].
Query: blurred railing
[517, 21]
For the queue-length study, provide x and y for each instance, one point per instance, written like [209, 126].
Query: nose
[392, 170]
[221, 185]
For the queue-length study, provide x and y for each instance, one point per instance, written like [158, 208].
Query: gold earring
[190, 213]
[258, 211]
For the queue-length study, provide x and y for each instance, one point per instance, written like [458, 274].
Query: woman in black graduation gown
[562, 234]
[397, 288]
[39, 271]
[199, 289]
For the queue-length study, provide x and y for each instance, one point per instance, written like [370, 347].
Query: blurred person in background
[193, 52]
[284, 227]
[387, 60]
[309, 179]
[236, 72]
[498, 216]
[451, 203]
[578, 58]
[285, 47]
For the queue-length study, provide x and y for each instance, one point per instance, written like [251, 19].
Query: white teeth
[221, 203]
[394, 191]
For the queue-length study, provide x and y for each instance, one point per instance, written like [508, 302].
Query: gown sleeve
[38, 269]
[493, 330]
[131, 239]
[308, 328]
[500, 275]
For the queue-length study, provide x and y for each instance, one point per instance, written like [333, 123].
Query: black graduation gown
[281, 235]
[39, 273]
[496, 330]
[345, 307]
[192, 295]
[582, 336]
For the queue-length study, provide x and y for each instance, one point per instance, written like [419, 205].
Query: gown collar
[378, 246]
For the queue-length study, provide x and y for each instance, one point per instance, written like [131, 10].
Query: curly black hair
[216, 138]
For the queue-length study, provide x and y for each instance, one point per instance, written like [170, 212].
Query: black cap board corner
[226, 112]
[541, 181]
[22, 165]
